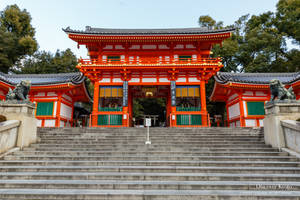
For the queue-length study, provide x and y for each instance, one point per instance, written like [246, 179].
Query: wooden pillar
[203, 102]
[96, 104]
[58, 107]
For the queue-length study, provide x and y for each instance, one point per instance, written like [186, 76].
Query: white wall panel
[65, 111]
[49, 123]
[250, 122]
[51, 94]
[62, 123]
[55, 108]
[194, 80]
[134, 80]
[232, 97]
[181, 80]
[261, 122]
[105, 80]
[117, 80]
[164, 80]
[245, 108]
[260, 93]
[249, 93]
[39, 123]
[67, 97]
[149, 80]
[234, 110]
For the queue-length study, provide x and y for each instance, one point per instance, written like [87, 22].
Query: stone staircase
[180, 164]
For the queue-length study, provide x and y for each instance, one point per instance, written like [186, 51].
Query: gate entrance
[127, 64]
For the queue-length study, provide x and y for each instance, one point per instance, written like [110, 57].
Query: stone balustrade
[8, 135]
[291, 130]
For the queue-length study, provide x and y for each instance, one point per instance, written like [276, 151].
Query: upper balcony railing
[151, 61]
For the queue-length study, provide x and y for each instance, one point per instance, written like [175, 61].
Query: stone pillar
[24, 112]
[275, 112]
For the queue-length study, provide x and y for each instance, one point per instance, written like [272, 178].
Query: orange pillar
[96, 104]
[58, 106]
[203, 102]
[242, 114]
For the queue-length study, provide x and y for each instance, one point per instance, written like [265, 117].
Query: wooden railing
[150, 61]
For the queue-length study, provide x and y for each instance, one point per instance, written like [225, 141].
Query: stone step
[148, 176]
[149, 158]
[151, 163]
[153, 153]
[148, 184]
[156, 169]
[76, 194]
[151, 149]
[142, 145]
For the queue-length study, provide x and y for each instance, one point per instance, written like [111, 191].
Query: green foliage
[16, 36]
[208, 22]
[149, 106]
[288, 15]
[43, 62]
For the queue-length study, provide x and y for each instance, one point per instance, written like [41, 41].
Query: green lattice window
[44, 109]
[185, 58]
[113, 58]
[189, 120]
[109, 120]
[256, 108]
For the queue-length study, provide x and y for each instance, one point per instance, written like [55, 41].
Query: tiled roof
[43, 79]
[167, 31]
[256, 78]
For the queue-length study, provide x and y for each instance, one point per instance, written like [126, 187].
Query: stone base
[27, 132]
[275, 112]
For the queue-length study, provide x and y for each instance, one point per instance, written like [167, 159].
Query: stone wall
[8, 135]
[291, 130]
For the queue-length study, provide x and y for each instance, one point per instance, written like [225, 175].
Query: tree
[43, 62]
[288, 15]
[16, 36]
[208, 22]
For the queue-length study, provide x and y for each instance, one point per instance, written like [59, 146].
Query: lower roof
[256, 78]
[43, 79]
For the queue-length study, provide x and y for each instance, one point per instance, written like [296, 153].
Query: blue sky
[50, 16]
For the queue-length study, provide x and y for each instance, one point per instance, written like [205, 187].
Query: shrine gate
[159, 63]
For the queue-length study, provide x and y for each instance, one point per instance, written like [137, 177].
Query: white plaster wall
[65, 111]
[163, 80]
[261, 122]
[234, 111]
[149, 80]
[193, 80]
[117, 80]
[62, 124]
[105, 80]
[49, 123]
[55, 108]
[51, 94]
[67, 97]
[39, 123]
[245, 108]
[232, 97]
[181, 80]
[260, 93]
[40, 94]
[134, 80]
[250, 93]
[250, 122]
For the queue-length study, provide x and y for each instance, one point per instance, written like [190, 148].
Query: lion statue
[278, 91]
[20, 93]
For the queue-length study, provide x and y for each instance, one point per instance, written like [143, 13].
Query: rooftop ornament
[279, 92]
[19, 94]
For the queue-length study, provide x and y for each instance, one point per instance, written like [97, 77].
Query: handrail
[150, 61]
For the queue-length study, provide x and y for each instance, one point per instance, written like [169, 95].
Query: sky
[50, 16]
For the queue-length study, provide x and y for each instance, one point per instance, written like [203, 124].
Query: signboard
[173, 93]
[125, 93]
[148, 122]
